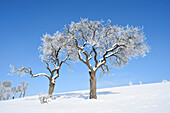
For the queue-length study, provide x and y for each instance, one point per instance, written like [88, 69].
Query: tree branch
[95, 56]
[64, 60]
[79, 55]
[41, 74]
[47, 66]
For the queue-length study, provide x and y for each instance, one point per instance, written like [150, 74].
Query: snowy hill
[148, 98]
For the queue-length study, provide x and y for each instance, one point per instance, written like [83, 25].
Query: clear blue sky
[23, 22]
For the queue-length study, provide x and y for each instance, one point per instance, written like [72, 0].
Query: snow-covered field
[148, 98]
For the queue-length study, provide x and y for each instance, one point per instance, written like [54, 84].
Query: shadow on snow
[81, 95]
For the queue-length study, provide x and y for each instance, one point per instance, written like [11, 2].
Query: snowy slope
[149, 98]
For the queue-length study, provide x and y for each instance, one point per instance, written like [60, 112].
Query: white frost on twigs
[23, 70]
[24, 85]
[5, 90]
[57, 46]
[105, 41]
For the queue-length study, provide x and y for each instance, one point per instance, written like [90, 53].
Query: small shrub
[45, 98]
[164, 81]
[130, 83]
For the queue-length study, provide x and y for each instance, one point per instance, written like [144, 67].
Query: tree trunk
[20, 95]
[51, 88]
[13, 97]
[24, 94]
[92, 85]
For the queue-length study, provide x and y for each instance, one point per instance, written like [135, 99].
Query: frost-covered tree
[14, 91]
[20, 90]
[101, 44]
[56, 51]
[5, 90]
[2, 91]
[24, 87]
[140, 82]
[130, 83]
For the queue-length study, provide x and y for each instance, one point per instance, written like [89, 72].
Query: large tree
[56, 51]
[101, 44]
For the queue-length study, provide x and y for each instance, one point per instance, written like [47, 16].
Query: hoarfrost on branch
[106, 44]
[56, 50]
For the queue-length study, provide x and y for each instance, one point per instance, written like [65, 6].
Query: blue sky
[23, 22]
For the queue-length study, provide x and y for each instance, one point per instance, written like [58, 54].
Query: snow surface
[148, 98]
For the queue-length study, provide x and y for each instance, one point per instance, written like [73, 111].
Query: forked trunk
[93, 85]
[51, 88]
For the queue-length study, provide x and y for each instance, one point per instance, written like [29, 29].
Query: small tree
[130, 83]
[140, 82]
[14, 91]
[5, 90]
[24, 87]
[102, 44]
[56, 51]
[20, 90]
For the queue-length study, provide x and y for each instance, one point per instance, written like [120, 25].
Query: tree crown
[99, 40]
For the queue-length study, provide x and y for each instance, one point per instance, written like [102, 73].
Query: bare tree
[56, 51]
[102, 44]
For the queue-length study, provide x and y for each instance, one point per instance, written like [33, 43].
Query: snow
[53, 78]
[39, 74]
[147, 98]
